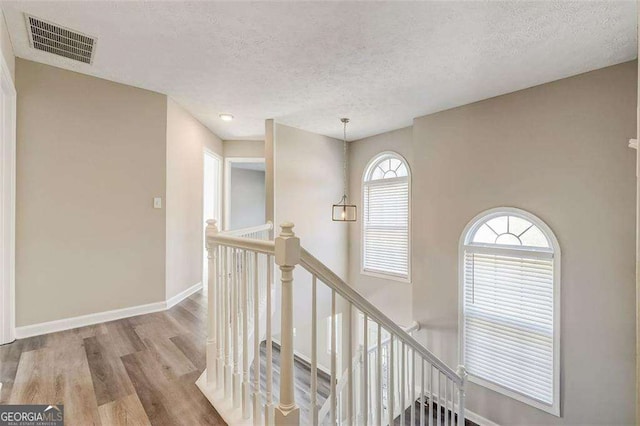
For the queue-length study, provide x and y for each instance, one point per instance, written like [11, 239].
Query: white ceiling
[308, 64]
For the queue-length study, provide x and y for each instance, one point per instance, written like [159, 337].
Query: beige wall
[186, 141]
[308, 180]
[392, 297]
[91, 155]
[6, 47]
[559, 151]
[245, 149]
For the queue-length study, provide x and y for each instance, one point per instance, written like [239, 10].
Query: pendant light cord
[344, 164]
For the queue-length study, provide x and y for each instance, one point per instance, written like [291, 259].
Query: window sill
[551, 409]
[385, 276]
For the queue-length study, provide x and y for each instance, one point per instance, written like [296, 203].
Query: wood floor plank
[9, 361]
[74, 386]
[127, 411]
[188, 320]
[34, 381]
[123, 337]
[109, 377]
[193, 348]
[151, 387]
[202, 411]
[174, 363]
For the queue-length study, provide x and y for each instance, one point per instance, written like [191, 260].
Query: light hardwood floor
[136, 371]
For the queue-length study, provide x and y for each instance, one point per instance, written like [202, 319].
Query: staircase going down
[358, 366]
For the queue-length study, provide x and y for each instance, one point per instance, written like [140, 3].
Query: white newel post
[287, 255]
[462, 372]
[212, 348]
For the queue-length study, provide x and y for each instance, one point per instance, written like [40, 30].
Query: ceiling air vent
[60, 41]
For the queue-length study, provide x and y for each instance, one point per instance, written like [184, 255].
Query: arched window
[510, 306]
[385, 223]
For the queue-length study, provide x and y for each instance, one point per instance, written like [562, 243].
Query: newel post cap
[212, 230]
[462, 372]
[212, 225]
[287, 246]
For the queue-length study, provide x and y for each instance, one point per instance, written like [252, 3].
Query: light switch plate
[157, 203]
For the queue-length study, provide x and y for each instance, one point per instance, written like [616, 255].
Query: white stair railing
[391, 372]
[377, 367]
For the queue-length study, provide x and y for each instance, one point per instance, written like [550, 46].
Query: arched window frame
[366, 180]
[554, 250]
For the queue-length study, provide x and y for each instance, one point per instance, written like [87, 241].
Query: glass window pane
[387, 166]
[384, 164]
[534, 238]
[508, 239]
[395, 163]
[498, 224]
[484, 235]
[377, 174]
[518, 225]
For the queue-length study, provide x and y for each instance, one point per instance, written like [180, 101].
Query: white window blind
[386, 218]
[508, 308]
[509, 322]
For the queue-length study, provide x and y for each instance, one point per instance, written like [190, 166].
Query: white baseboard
[84, 320]
[106, 316]
[171, 302]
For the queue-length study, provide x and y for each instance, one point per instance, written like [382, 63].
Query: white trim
[633, 143]
[85, 320]
[7, 204]
[555, 408]
[207, 151]
[173, 301]
[227, 182]
[100, 317]
[218, 214]
[224, 406]
[385, 276]
[363, 183]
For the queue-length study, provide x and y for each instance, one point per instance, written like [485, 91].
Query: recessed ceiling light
[226, 117]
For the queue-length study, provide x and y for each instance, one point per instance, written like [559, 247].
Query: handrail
[249, 230]
[235, 238]
[238, 269]
[326, 275]
[260, 246]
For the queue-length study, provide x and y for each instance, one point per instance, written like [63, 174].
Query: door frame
[205, 152]
[7, 204]
[227, 182]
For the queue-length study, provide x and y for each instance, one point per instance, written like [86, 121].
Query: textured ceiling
[308, 64]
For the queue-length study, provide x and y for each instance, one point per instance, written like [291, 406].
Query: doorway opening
[212, 208]
[245, 193]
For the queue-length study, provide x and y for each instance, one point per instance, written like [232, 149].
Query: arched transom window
[385, 224]
[510, 313]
